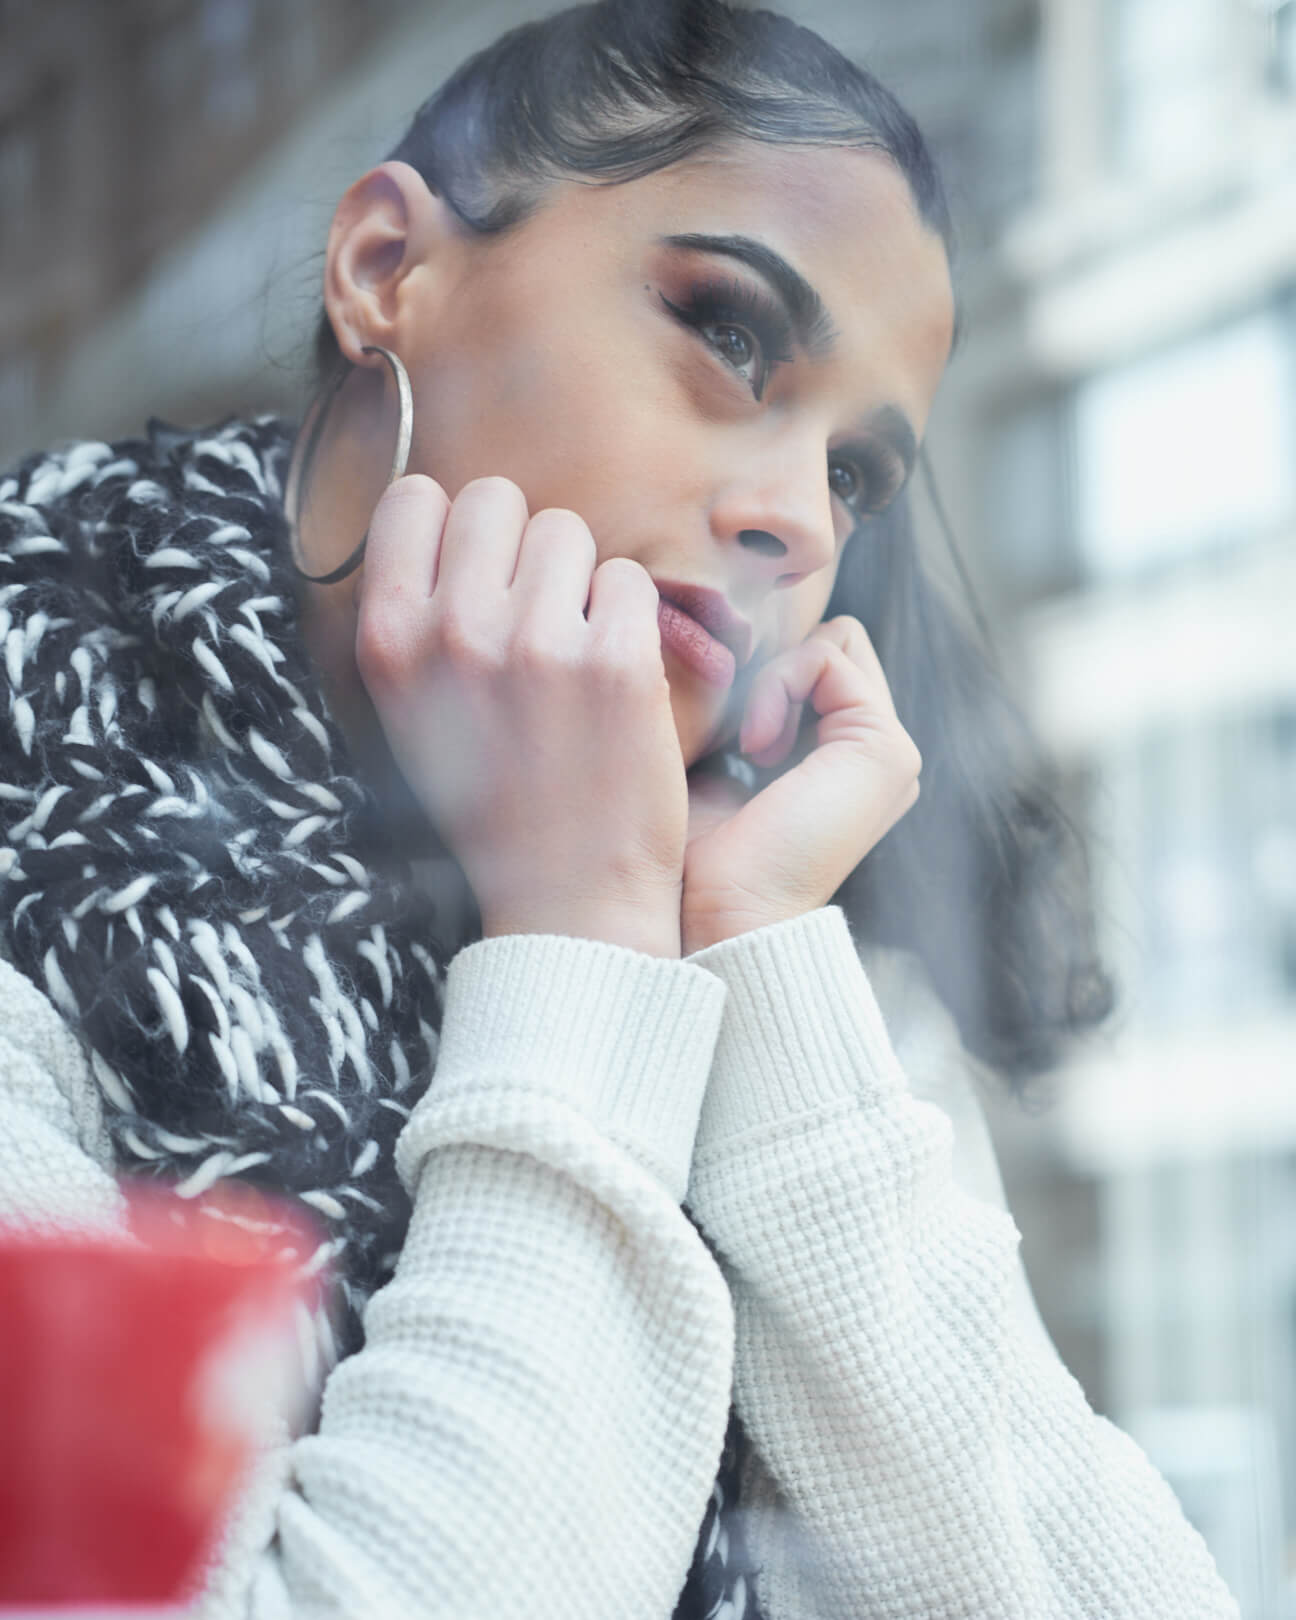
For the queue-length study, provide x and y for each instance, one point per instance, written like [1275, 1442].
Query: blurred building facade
[1116, 444]
[1132, 424]
[173, 165]
[123, 127]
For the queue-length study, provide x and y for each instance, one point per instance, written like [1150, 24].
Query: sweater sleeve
[55, 1158]
[533, 1426]
[918, 1449]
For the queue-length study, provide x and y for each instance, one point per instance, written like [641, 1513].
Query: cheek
[570, 435]
[803, 607]
[563, 391]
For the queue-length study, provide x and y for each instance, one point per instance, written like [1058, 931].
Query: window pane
[1165, 62]
[1186, 450]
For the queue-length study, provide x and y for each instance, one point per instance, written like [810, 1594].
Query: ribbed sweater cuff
[802, 1031]
[624, 1039]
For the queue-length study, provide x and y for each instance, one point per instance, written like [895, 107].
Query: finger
[404, 541]
[818, 672]
[770, 715]
[480, 546]
[854, 640]
[400, 562]
[785, 741]
[623, 605]
[555, 563]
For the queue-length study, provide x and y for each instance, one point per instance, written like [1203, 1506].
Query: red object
[133, 1378]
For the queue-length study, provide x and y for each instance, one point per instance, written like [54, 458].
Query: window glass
[1165, 64]
[1187, 449]
[1281, 58]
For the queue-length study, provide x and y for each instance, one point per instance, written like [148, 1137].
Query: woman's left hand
[788, 849]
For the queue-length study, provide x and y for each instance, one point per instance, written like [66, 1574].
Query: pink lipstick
[703, 631]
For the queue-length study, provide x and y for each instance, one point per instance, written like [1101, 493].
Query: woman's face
[722, 367]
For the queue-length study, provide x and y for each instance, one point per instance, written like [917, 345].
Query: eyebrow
[811, 322]
[810, 318]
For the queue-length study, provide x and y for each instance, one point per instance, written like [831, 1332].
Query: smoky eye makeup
[866, 477]
[750, 330]
[746, 328]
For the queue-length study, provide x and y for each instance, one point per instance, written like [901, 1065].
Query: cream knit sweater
[533, 1426]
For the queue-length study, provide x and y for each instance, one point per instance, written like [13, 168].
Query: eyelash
[736, 304]
[879, 480]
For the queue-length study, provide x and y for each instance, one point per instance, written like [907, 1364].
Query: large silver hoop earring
[404, 436]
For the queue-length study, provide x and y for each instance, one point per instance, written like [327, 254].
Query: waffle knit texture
[532, 1422]
[532, 1425]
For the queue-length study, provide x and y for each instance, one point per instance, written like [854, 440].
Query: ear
[387, 225]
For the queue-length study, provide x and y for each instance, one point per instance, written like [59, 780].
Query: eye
[736, 346]
[746, 328]
[845, 481]
[866, 480]
[848, 483]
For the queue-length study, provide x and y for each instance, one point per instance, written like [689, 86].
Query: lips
[703, 631]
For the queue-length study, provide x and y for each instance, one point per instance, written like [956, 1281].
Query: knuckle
[628, 667]
[461, 641]
[493, 490]
[540, 656]
[559, 523]
[381, 647]
[904, 803]
[851, 637]
[625, 599]
[909, 757]
[415, 487]
[558, 533]
[415, 498]
[626, 571]
[622, 591]
[849, 625]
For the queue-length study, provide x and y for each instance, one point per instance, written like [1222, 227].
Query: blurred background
[1116, 445]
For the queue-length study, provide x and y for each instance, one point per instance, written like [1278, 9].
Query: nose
[778, 508]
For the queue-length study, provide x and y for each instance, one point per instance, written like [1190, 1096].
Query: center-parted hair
[610, 92]
[985, 879]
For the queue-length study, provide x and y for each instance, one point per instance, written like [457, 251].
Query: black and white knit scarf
[193, 874]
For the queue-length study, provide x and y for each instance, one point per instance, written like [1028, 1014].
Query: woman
[671, 296]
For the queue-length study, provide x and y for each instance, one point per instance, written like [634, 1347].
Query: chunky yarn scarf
[194, 875]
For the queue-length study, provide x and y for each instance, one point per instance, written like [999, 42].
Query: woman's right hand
[536, 734]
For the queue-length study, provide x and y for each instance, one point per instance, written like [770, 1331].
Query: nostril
[762, 541]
